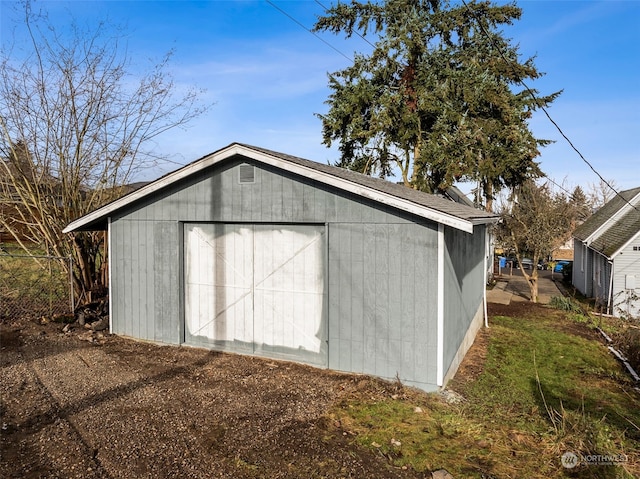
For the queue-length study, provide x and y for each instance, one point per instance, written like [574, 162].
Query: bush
[628, 342]
[565, 303]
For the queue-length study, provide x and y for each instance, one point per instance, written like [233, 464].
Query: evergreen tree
[435, 97]
[581, 205]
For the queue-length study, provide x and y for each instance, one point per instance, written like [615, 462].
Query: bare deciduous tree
[601, 193]
[76, 124]
[535, 223]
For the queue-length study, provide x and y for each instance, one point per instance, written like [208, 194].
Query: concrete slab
[498, 294]
[515, 288]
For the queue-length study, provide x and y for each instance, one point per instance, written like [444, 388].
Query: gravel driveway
[116, 408]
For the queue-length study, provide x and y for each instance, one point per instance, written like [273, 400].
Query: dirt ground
[78, 404]
[117, 408]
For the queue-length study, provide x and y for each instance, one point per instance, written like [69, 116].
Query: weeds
[544, 391]
[565, 303]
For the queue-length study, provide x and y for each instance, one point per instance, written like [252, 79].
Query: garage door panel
[291, 292]
[257, 287]
[218, 284]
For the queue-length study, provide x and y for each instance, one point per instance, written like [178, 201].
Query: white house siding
[627, 263]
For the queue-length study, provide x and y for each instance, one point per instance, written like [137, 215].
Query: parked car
[527, 263]
[559, 267]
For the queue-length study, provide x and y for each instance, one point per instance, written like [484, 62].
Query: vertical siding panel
[345, 298]
[275, 198]
[320, 208]
[341, 209]
[117, 280]
[381, 280]
[394, 299]
[134, 287]
[202, 201]
[356, 209]
[308, 202]
[367, 212]
[408, 332]
[150, 307]
[246, 203]
[128, 278]
[172, 321]
[425, 328]
[186, 197]
[395, 281]
[330, 204]
[357, 298]
[174, 206]
[297, 198]
[166, 288]
[333, 303]
[369, 313]
[287, 200]
[255, 198]
[232, 192]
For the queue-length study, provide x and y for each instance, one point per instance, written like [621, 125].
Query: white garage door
[256, 289]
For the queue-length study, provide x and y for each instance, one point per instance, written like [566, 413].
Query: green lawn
[548, 386]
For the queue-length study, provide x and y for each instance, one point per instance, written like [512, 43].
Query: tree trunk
[533, 287]
[488, 196]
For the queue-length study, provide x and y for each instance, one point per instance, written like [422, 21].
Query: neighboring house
[257, 252]
[607, 255]
[563, 252]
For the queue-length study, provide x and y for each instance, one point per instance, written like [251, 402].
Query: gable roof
[615, 224]
[425, 205]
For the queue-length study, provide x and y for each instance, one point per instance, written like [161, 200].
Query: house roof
[426, 205]
[614, 225]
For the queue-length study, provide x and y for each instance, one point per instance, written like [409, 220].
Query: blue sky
[268, 76]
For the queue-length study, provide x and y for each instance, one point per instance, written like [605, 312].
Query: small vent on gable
[247, 173]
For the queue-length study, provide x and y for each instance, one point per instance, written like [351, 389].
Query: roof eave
[101, 214]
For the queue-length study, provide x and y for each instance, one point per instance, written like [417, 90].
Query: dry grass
[548, 386]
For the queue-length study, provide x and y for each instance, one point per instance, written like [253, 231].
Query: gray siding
[599, 277]
[463, 285]
[382, 278]
[145, 280]
[382, 290]
[274, 197]
[146, 273]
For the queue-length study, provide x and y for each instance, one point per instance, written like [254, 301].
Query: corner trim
[440, 309]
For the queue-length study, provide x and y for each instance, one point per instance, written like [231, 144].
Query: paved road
[512, 286]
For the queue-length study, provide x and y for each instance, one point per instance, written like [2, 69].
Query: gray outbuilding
[257, 252]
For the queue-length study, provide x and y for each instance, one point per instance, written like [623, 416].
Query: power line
[308, 30]
[541, 106]
[355, 31]
[497, 47]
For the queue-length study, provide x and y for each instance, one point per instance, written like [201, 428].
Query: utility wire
[308, 30]
[355, 31]
[504, 57]
[533, 95]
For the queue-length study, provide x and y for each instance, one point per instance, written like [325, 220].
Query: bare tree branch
[76, 124]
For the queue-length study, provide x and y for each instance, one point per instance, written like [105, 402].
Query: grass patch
[548, 386]
[32, 287]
